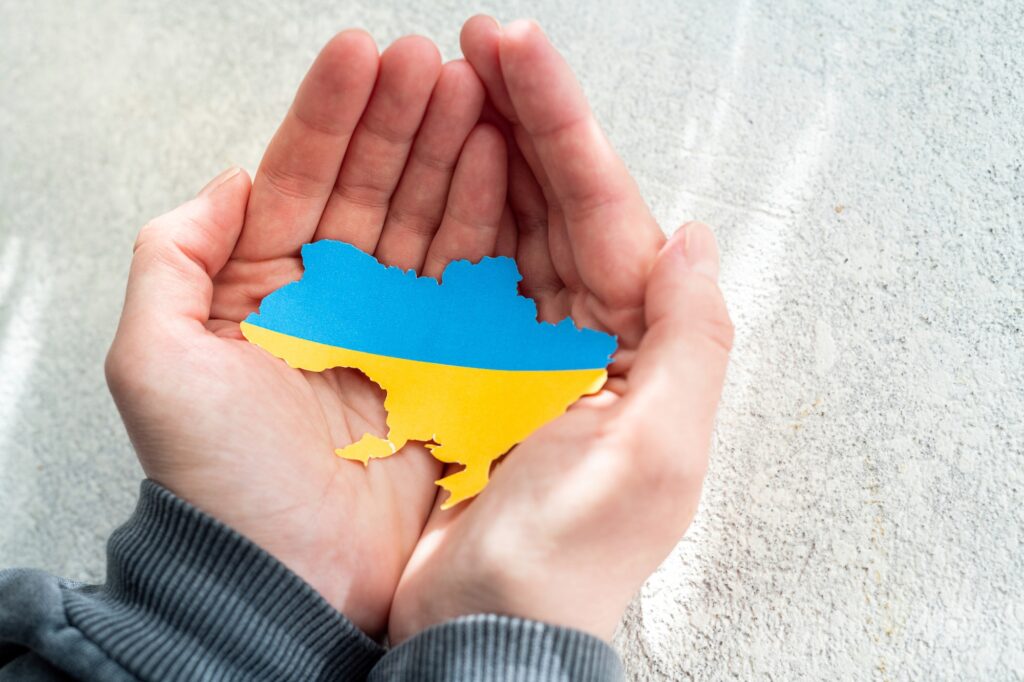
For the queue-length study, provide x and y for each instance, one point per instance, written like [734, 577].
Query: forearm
[185, 597]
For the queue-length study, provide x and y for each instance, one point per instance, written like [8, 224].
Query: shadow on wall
[707, 575]
[22, 302]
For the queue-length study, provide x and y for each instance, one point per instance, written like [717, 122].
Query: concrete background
[862, 162]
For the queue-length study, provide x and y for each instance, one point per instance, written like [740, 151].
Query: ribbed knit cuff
[188, 598]
[491, 648]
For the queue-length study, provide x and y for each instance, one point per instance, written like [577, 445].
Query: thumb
[177, 255]
[680, 365]
[682, 291]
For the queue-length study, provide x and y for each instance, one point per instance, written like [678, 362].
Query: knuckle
[112, 368]
[368, 193]
[433, 161]
[149, 234]
[721, 332]
[416, 224]
[121, 370]
[290, 184]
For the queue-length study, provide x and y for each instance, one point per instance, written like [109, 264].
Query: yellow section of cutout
[468, 416]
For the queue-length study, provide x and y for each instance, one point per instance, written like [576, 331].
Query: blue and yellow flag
[465, 363]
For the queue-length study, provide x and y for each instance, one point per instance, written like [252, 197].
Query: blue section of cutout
[476, 318]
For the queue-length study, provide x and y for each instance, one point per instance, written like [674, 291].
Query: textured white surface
[862, 163]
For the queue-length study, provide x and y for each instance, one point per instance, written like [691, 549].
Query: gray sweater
[187, 598]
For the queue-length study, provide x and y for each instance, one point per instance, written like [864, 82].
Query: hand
[578, 516]
[368, 153]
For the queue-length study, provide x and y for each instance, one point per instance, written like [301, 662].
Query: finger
[544, 276]
[380, 145]
[418, 204]
[528, 200]
[301, 163]
[508, 238]
[178, 254]
[469, 229]
[613, 236]
[680, 365]
[480, 39]
[541, 281]
[544, 252]
[242, 284]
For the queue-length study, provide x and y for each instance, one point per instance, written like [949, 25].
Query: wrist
[552, 595]
[307, 544]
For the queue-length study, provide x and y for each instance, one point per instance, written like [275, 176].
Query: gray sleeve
[188, 598]
[491, 648]
[185, 598]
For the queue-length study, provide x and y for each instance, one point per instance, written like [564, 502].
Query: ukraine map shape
[466, 366]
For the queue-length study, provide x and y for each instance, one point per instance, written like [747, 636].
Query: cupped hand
[384, 152]
[579, 514]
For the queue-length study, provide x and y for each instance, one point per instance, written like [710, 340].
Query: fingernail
[220, 180]
[700, 250]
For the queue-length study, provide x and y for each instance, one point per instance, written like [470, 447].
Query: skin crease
[405, 158]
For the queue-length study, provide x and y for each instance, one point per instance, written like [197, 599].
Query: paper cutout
[467, 367]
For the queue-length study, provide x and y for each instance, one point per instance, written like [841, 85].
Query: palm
[309, 414]
[585, 243]
[384, 153]
[284, 425]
